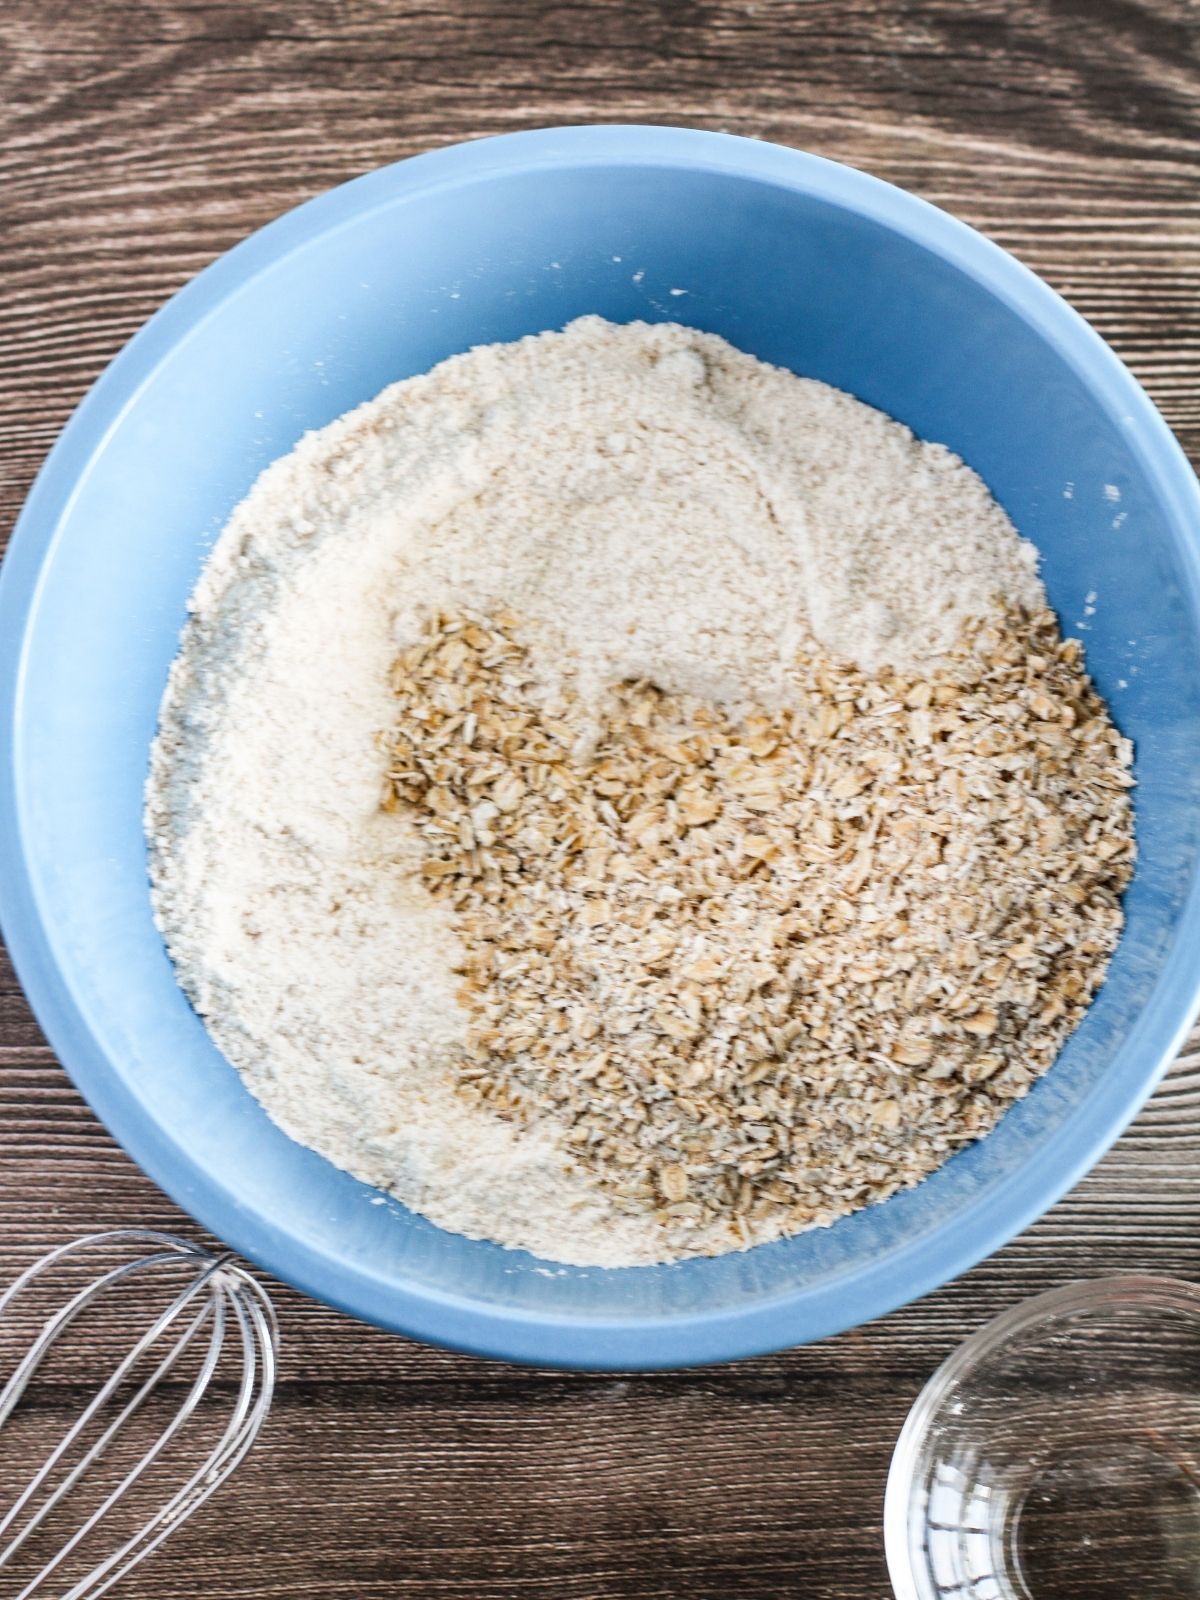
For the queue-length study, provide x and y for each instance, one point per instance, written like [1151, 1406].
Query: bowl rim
[1073, 1300]
[458, 1322]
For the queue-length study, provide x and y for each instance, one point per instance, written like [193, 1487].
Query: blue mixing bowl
[794, 259]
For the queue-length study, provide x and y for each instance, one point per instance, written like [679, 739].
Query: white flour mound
[651, 503]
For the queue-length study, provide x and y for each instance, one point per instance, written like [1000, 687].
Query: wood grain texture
[137, 142]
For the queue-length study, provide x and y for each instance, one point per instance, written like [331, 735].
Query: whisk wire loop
[242, 1336]
[261, 1337]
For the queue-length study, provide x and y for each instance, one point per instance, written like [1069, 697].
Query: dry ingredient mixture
[630, 801]
[763, 970]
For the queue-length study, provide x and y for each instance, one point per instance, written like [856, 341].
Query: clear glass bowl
[1056, 1454]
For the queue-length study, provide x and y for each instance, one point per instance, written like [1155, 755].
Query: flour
[653, 503]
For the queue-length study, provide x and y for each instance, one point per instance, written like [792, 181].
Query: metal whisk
[217, 1312]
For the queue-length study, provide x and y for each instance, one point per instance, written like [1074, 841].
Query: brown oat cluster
[765, 970]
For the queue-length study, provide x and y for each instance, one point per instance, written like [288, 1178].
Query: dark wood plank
[139, 141]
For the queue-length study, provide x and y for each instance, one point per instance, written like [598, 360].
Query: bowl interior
[801, 264]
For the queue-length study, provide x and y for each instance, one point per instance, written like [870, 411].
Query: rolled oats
[777, 965]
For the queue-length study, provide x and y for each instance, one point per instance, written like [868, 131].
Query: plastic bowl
[1056, 1454]
[793, 258]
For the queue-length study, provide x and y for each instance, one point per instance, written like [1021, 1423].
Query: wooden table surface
[137, 142]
